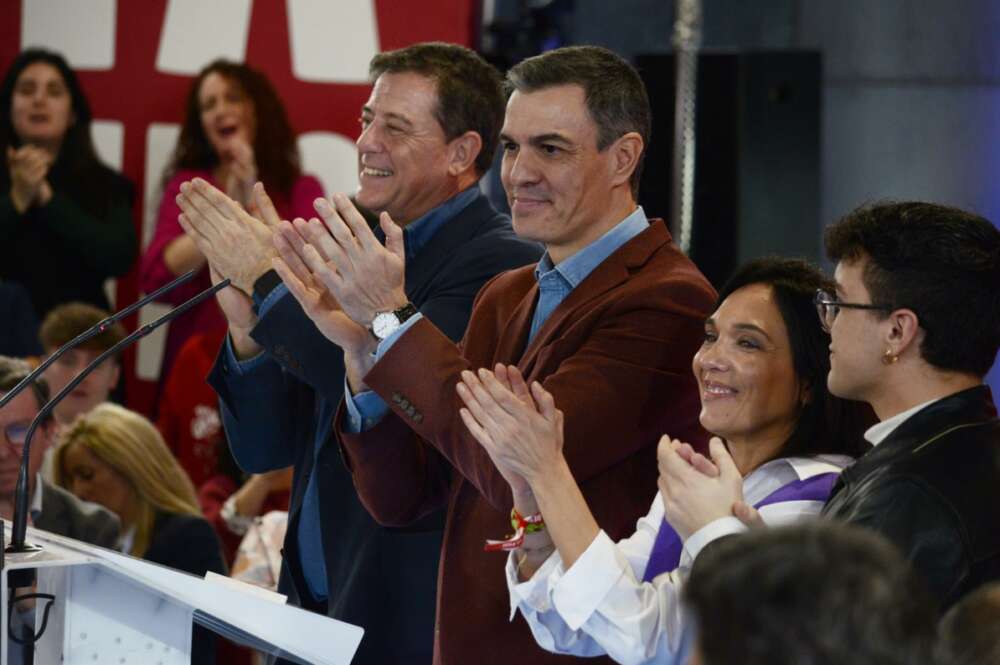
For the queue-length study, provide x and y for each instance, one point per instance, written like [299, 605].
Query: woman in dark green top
[65, 218]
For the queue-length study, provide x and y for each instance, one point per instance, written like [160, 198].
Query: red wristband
[521, 525]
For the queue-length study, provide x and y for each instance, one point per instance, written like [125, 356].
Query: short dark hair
[275, 150]
[969, 634]
[941, 262]
[811, 594]
[826, 423]
[66, 321]
[469, 90]
[613, 90]
[13, 371]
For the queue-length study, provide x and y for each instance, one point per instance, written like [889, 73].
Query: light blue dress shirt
[555, 282]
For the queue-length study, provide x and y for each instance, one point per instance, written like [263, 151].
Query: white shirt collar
[877, 433]
[807, 467]
[127, 540]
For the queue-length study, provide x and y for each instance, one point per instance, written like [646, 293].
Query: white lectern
[115, 609]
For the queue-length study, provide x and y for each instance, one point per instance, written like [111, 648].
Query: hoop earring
[888, 358]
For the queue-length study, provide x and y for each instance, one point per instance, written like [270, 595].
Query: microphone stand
[20, 522]
[91, 332]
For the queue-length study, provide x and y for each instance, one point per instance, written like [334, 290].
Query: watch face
[384, 323]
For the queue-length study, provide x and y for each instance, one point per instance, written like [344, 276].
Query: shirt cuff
[724, 526]
[276, 294]
[386, 344]
[241, 367]
[364, 410]
[533, 593]
[587, 582]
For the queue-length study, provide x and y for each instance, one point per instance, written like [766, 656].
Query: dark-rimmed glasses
[828, 307]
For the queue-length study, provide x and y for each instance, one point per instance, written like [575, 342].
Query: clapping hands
[339, 260]
[697, 490]
[237, 245]
[519, 426]
[29, 167]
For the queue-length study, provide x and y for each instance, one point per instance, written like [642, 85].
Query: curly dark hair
[826, 423]
[274, 147]
[941, 262]
[469, 90]
[77, 171]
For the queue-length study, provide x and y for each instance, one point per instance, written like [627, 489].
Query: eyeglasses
[828, 307]
[15, 434]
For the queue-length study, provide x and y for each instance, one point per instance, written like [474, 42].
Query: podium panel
[106, 607]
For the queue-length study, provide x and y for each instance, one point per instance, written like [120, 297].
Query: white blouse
[601, 605]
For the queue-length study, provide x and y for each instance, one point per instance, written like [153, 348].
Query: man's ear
[463, 151]
[904, 332]
[625, 153]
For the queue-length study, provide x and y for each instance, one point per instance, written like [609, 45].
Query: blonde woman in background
[117, 458]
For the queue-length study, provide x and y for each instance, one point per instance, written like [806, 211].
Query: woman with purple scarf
[761, 374]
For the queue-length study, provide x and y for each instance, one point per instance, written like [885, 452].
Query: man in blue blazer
[429, 132]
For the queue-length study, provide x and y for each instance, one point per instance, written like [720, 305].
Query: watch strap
[405, 312]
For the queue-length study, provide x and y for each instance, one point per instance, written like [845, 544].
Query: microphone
[95, 330]
[20, 521]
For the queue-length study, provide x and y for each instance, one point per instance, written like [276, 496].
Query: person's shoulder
[173, 531]
[482, 242]
[81, 517]
[185, 542]
[961, 466]
[497, 243]
[54, 494]
[661, 275]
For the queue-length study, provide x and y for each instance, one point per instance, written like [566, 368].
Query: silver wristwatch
[386, 323]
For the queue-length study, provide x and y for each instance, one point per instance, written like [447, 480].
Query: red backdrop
[135, 94]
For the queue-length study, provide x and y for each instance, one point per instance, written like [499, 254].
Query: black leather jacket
[933, 488]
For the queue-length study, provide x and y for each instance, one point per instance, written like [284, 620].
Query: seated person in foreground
[117, 458]
[51, 508]
[761, 375]
[969, 634]
[810, 593]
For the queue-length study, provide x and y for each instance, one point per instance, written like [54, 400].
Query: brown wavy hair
[277, 155]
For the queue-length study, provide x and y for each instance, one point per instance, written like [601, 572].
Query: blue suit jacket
[383, 579]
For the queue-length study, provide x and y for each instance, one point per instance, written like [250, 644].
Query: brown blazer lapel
[513, 339]
[610, 273]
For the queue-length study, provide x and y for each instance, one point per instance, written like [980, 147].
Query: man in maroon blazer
[608, 322]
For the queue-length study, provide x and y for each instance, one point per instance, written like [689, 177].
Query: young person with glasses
[915, 327]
